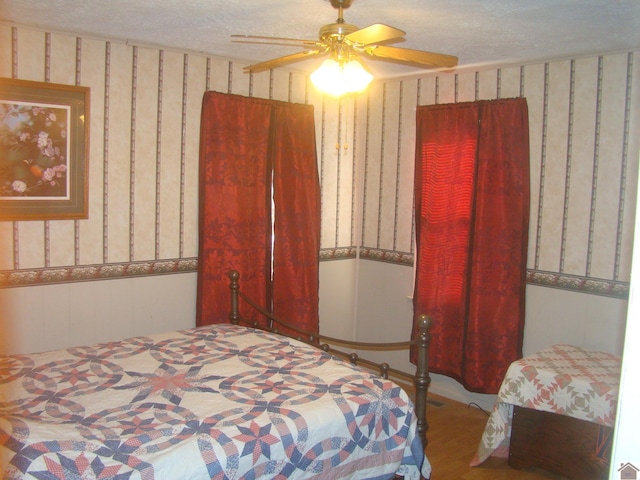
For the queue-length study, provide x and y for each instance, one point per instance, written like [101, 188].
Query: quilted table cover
[562, 379]
[221, 402]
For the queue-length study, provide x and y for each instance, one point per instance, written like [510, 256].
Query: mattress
[221, 402]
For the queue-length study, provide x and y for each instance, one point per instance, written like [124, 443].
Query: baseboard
[449, 388]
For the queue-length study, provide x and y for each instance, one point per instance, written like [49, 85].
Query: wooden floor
[454, 432]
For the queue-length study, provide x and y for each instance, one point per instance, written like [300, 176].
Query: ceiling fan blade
[309, 45]
[416, 58]
[376, 33]
[280, 61]
[273, 40]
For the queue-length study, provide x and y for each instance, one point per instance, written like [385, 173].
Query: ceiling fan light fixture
[337, 78]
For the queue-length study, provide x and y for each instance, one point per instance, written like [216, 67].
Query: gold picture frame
[44, 150]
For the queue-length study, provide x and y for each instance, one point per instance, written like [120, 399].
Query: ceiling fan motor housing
[333, 35]
[336, 31]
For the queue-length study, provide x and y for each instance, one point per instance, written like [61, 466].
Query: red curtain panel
[246, 146]
[296, 191]
[472, 222]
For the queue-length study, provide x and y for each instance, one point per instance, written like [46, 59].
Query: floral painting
[44, 150]
[33, 150]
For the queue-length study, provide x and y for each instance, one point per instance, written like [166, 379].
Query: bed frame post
[234, 286]
[422, 378]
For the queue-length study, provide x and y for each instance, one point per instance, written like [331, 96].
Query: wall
[141, 233]
[134, 258]
[584, 118]
[552, 316]
[143, 159]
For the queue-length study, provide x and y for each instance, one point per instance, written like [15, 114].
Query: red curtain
[251, 149]
[296, 194]
[472, 221]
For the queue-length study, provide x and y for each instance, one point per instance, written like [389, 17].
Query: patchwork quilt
[562, 379]
[220, 402]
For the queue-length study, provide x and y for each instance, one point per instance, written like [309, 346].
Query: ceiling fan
[344, 42]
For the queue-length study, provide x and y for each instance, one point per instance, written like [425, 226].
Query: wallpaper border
[46, 276]
[71, 274]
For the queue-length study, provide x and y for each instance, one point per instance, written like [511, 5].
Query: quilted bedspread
[221, 402]
[562, 379]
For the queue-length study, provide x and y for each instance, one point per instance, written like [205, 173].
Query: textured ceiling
[477, 31]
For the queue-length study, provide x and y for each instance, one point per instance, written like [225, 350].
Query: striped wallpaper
[143, 165]
[584, 116]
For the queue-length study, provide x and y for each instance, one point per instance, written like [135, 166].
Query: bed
[225, 401]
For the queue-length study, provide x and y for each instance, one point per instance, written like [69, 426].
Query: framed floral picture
[44, 147]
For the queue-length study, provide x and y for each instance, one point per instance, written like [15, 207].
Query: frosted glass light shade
[337, 79]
